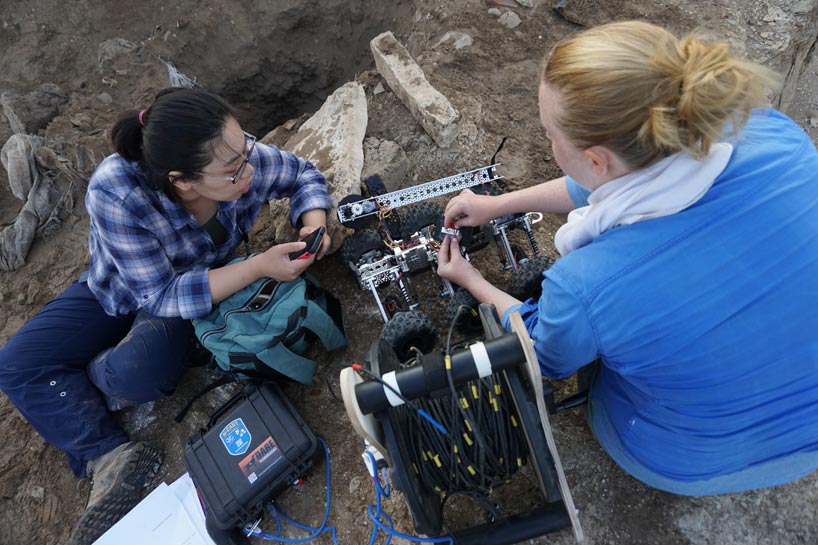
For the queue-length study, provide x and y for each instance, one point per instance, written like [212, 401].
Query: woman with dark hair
[167, 211]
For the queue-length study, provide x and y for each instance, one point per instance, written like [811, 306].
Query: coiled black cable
[485, 443]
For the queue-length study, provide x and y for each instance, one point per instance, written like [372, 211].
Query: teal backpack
[263, 330]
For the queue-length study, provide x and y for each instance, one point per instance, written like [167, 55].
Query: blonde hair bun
[645, 94]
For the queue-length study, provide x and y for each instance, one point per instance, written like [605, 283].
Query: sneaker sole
[142, 466]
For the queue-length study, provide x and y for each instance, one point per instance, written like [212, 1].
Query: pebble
[526, 3]
[776, 15]
[37, 492]
[813, 122]
[463, 41]
[378, 89]
[494, 11]
[510, 20]
[459, 39]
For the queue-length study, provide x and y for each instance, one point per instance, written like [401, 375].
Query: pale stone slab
[332, 139]
[406, 79]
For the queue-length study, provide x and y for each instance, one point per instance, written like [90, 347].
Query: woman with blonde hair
[689, 268]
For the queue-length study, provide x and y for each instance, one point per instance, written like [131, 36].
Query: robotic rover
[390, 248]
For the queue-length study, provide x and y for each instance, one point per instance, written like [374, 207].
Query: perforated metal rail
[352, 211]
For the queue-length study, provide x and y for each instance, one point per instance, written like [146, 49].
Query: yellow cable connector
[513, 421]
[471, 470]
[464, 402]
[467, 439]
[474, 393]
[519, 462]
[497, 389]
[437, 461]
[448, 361]
[468, 426]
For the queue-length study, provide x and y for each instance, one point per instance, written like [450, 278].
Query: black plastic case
[248, 457]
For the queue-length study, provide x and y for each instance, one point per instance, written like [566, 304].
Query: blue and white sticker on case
[236, 437]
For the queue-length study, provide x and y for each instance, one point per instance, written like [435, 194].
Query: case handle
[218, 413]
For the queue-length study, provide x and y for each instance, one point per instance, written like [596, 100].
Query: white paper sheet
[167, 516]
[184, 489]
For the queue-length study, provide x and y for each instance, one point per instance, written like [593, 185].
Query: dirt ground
[278, 60]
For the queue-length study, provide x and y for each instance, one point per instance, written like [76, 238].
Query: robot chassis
[418, 251]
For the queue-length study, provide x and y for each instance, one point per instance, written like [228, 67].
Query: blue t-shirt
[705, 321]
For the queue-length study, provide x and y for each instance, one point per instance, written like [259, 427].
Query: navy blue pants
[45, 367]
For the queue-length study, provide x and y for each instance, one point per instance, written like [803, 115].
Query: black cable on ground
[485, 443]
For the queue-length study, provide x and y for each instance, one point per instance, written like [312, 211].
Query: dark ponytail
[126, 136]
[177, 132]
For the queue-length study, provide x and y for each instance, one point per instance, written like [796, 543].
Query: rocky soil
[276, 61]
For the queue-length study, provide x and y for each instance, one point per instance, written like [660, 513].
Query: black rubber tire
[375, 186]
[526, 282]
[419, 216]
[359, 243]
[467, 322]
[410, 329]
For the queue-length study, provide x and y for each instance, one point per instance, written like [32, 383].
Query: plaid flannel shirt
[148, 252]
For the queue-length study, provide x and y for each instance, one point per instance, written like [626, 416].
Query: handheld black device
[313, 241]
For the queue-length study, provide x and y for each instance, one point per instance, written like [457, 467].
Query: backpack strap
[283, 360]
[255, 369]
[327, 324]
[292, 333]
[321, 314]
[325, 316]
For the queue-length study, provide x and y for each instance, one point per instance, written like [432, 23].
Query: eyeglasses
[240, 170]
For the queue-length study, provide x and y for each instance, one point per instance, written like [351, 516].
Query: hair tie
[142, 117]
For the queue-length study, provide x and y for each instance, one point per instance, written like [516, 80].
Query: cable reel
[399, 412]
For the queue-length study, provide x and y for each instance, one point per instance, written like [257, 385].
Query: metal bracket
[352, 211]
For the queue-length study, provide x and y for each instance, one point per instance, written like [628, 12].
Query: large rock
[386, 158]
[27, 114]
[788, 40]
[428, 106]
[332, 140]
[111, 50]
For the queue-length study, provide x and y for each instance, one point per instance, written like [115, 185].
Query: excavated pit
[304, 52]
